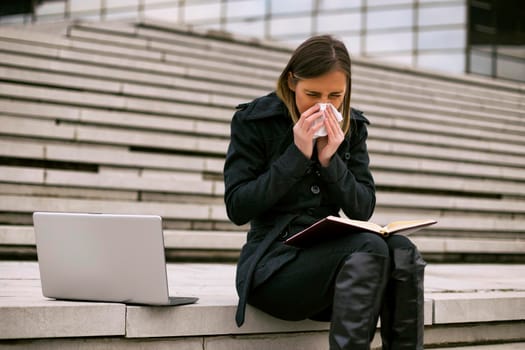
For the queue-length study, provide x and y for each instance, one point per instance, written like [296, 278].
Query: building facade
[485, 37]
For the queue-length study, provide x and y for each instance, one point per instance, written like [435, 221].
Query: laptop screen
[101, 257]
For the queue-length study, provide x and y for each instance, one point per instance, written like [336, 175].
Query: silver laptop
[103, 257]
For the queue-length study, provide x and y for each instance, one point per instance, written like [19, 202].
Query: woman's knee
[373, 244]
[400, 242]
[353, 242]
[406, 258]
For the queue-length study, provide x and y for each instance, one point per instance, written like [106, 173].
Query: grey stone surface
[166, 210]
[233, 240]
[454, 294]
[469, 245]
[475, 333]
[507, 346]
[205, 319]
[478, 307]
[28, 318]
[132, 76]
[303, 341]
[193, 343]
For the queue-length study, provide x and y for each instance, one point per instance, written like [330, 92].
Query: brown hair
[316, 56]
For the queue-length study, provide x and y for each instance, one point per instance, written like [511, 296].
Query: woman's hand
[304, 130]
[328, 145]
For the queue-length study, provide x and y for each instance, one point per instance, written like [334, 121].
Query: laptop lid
[102, 257]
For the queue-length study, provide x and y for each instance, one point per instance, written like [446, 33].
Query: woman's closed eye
[313, 94]
[318, 95]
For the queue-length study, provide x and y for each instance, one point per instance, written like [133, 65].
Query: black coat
[272, 185]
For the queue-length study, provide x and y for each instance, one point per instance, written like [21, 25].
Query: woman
[281, 177]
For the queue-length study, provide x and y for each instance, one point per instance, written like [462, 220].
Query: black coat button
[315, 189]
[347, 155]
[284, 235]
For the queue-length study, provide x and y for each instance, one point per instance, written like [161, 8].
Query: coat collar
[358, 115]
[263, 107]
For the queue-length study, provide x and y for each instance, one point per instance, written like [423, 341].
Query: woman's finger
[309, 112]
[309, 124]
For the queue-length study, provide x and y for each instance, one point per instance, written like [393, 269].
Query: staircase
[121, 117]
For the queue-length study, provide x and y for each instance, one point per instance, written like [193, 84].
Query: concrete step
[473, 148]
[112, 53]
[138, 181]
[112, 118]
[192, 40]
[175, 211]
[504, 177]
[100, 155]
[438, 90]
[394, 141]
[495, 113]
[126, 103]
[459, 107]
[448, 125]
[199, 245]
[68, 81]
[111, 34]
[117, 155]
[133, 89]
[506, 346]
[155, 31]
[462, 85]
[464, 304]
[116, 179]
[135, 178]
[431, 130]
[398, 179]
[26, 56]
[200, 59]
[444, 167]
[457, 220]
[160, 140]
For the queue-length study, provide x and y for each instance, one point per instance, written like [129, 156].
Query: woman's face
[326, 88]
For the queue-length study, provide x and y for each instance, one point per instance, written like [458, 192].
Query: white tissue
[322, 131]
